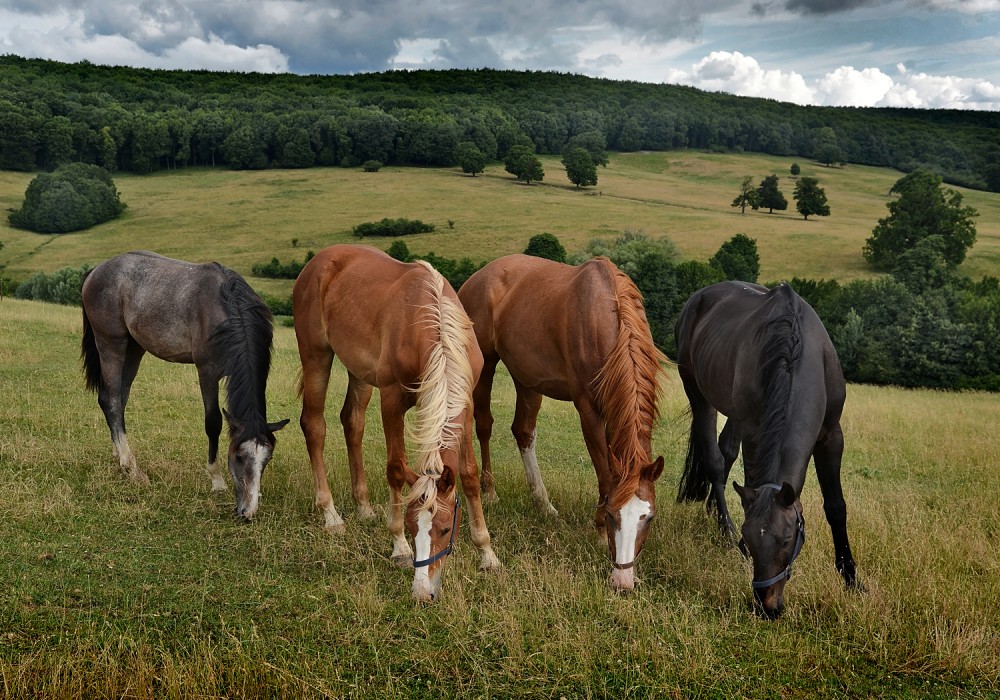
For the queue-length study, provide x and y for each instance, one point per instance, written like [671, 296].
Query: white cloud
[846, 86]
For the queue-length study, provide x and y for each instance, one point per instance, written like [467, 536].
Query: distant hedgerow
[59, 287]
[392, 227]
[278, 270]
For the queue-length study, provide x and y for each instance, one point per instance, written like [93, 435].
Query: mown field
[112, 590]
[242, 218]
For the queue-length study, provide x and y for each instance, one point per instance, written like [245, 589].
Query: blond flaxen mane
[444, 390]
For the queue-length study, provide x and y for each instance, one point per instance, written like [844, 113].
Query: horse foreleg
[484, 427]
[595, 438]
[473, 499]
[729, 448]
[209, 384]
[315, 378]
[352, 417]
[394, 405]
[828, 454]
[524, 430]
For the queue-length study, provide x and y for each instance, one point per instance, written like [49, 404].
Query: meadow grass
[112, 590]
[242, 218]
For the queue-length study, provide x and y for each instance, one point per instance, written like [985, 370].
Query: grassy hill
[241, 218]
[111, 590]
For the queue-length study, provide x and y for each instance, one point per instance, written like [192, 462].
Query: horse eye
[785, 543]
[445, 531]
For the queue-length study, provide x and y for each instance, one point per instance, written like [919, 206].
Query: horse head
[627, 516]
[249, 453]
[433, 526]
[773, 534]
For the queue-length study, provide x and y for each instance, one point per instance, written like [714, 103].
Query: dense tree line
[141, 120]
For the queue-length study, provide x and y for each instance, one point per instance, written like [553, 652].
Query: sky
[883, 53]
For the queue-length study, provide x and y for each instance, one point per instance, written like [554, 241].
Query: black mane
[244, 341]
[780, 343]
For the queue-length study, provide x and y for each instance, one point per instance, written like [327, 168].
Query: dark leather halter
[800, 538]
[451, 541]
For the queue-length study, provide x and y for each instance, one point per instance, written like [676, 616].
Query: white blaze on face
[424, 585]
[255, 457]
[632, 513]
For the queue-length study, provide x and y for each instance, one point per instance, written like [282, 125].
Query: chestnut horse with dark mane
[399, 327]
[575, 334]
[763, 359]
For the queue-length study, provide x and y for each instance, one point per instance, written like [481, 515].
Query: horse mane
[444, 389]
[627, 388]
[244, 340]
[780, 343]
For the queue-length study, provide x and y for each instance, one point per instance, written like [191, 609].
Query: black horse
[763, 359]
[203, 314]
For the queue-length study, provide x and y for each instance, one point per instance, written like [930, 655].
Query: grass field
[241, 218]
[112, 590]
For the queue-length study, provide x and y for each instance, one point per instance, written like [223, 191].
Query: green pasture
[242, 218]
[112, 590]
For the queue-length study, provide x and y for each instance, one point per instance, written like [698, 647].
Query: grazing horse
[203, 314]
[575, 334]
[399, 327]
[763, 359]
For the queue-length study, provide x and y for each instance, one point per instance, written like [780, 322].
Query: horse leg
[705, 469]
[592, 424]
[828, 453]
[209, 384]
[473, 498]
[524, 430]
[394, 406]
[315, 379]
[352, 417]
[119, 365]
[484, 426]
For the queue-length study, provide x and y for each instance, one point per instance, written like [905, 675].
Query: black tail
[694, 481]
[88, 352]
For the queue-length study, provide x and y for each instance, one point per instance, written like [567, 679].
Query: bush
[59, 287]
[392, 228]
[72, 198]
[278, 270]
[546, 245]
[371, 166]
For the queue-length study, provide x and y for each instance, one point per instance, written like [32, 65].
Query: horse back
[168, 306]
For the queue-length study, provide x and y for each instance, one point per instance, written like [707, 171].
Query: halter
[622, 567]
[451, 541]
[800, 538]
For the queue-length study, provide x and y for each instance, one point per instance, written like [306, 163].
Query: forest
[143, 120]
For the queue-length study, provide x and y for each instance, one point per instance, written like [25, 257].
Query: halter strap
[800, 538]
[623, 567]
[451, 541]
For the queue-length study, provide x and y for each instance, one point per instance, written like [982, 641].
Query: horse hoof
[365, 512]
[489, 496]
[402, 561]
[338, 529]
[139, 478]
[489, 562]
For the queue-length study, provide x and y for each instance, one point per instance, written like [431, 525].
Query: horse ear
[786, 496]
[275, 427]
[446, 482]
[653, 471]
[746, 495]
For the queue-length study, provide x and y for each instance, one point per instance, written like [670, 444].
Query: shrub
[371, 166]
[73, 197]
[278, 270]
[546, 245]
[59, 287]
[392, 228]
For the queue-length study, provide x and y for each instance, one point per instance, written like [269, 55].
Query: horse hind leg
[315, 379]
[484, 428]
[119, 366]
[525, 433]
[352, 418]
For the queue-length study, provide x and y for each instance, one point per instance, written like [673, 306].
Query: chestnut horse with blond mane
[575, 334]
[399, 327]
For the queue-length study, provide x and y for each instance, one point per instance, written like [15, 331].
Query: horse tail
[628, 384]
[88, 350]
[694, 480]
[444, 389]
[780, 352]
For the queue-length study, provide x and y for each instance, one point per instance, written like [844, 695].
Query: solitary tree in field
[923, 210]
[810, 198]
[795, 170]
[546, 245]
[522, 163]
[770, 196]
[472, 160]
[580, 168]
[748, 196]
